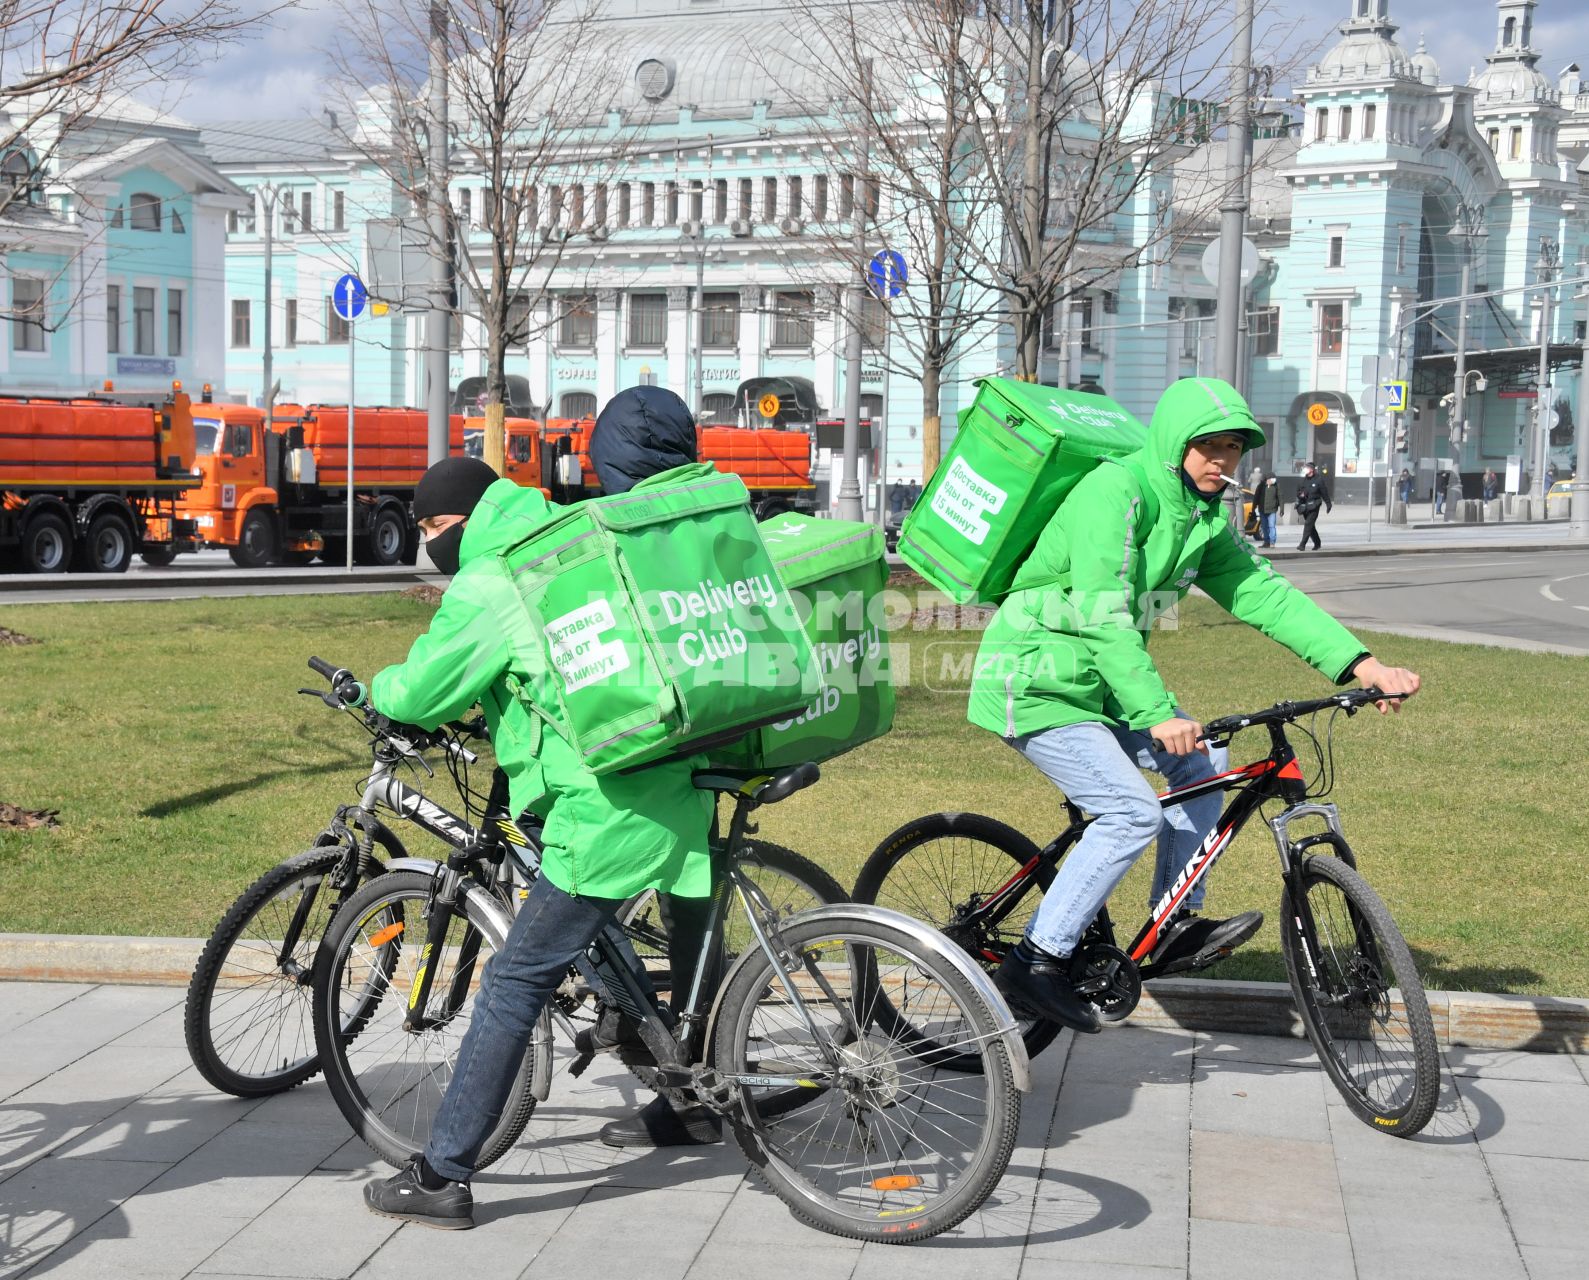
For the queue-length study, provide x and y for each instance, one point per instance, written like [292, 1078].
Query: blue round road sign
[885, 274]
[349, 297]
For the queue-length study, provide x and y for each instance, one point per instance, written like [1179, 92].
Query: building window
[1509, 33]
[1321, 124]
[339, 211]
[27, 314]
[143, 210]
[1494, 137]
[796, 198]
[173, 322]
[598, 213]
[576, 210]
[17, 174]
[113, 319]
[1332, 323]
[846, 194]
[232, 222]
[717, 409]
[874, 321]
[1263, 329]
[671, 205]
[624, 199]
[1514, 150]
[720, 201]
[819, 197]
[290, 323]
[697, 200]
[769, 199]
[720, 319]
[1370, 120]
[1195, 312]
[792, 319]
[519, 320]
[242, 327]
[1346, 123]
[648, 204]
[143, 321]
[578, 404]
[337, 328]
[648, 319]
[746, 188]
[1337, 249]
[465, 205]
[577, 324]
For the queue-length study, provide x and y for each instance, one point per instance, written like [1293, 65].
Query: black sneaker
[1043, 986]
[1192, 941]
[657, 1124]
[404, 1197]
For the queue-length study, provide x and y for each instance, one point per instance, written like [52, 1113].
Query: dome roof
[1365, 54]
[1514, 80]
[1424, 65]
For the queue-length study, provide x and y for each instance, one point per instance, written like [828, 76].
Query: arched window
[1346, 123]
[17, 175]
[1509, 33]
[1321, 124]
[578, 404]
[143, 211]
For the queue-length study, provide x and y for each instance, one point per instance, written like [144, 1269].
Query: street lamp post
[1549, 259]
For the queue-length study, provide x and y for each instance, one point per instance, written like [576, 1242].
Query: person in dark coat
[1312, 493]
[1404, 486]
[1269, 509]
[1492, 484]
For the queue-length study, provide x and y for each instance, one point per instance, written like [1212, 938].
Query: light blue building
[111, 252]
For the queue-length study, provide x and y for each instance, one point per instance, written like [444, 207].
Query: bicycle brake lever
[331, 700]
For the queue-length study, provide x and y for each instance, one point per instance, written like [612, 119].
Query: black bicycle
[851, 1118]
[247, 1015]
[1356, 987]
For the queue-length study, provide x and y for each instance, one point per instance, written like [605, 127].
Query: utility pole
[1579, 528]
[269, 398]
[437, 315]
[850, 485]
[1233, 210]
[1468, 229]
[1549, 259]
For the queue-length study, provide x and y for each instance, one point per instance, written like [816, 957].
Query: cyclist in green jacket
[1064, 675]
[605, 839]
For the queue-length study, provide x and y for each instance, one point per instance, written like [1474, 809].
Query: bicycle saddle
[758, 786]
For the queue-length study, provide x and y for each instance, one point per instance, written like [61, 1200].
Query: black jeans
[1310, 529]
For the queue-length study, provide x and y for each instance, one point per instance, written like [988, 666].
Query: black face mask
[444, 546]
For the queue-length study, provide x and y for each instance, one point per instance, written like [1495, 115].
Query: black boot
[1192, 941]
[1033, 980]
[657, 1124]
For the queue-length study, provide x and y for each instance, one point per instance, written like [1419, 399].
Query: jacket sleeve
[1102, 533]
[455, 661]
[1247, 586]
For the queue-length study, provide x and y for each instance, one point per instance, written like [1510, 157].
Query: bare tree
[534, 109]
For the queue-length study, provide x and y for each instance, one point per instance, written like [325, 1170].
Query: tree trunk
[931, 421]
[495, 439]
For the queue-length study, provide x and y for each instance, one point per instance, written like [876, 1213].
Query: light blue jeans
[1098, 767]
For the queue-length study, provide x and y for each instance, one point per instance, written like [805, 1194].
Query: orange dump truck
[774, 464]
[280, 494]
[85, 483]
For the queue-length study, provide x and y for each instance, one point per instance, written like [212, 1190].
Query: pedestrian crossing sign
[1395, 396]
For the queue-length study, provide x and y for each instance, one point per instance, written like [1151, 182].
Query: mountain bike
[1356, 987]
[857, 1127]
[247, 1014]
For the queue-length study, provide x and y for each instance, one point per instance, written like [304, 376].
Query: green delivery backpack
[1020, 450]
[665, 624]
[837, 572]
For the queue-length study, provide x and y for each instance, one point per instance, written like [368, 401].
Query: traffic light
[1401, 436]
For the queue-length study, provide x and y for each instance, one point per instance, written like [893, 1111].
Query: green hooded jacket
[1070, 641]
[606, 837]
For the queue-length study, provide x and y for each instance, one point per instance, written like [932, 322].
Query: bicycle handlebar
[1348, 700]
[346, 691]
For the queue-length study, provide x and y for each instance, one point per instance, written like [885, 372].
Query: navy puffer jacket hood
[641, 432]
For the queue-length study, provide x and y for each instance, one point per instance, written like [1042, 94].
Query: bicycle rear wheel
[936, 869]
[1360, 997]
[389, 1081]
[247, 1015]
[891, 1146]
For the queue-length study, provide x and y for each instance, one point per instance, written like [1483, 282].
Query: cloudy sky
[284, 71]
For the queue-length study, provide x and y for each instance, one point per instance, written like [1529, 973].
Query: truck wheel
[256, 544]
[46, 544]
[158, 557]
[108, 546]
[383, 544]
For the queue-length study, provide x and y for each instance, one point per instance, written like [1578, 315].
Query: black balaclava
[642, 432]
[451, 488]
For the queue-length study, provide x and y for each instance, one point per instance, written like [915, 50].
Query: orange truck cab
[87, 482]
[278, 491]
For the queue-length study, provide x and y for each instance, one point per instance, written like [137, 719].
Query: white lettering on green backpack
[578, 650]
[965, 500]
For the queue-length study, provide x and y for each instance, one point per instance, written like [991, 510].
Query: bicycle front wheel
[937, 869]
[247, 1016]
[388, 1079]
[1360, 997]
[892, 1146]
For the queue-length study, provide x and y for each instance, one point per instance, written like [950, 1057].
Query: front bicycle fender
[953, 956]
[1341, 849]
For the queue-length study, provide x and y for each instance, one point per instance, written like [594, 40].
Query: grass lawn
[169, 737]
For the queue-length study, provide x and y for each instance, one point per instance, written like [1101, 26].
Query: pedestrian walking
[1442, 483]
[1491, 484]
[1404, 486]
[1269, 509]
[1312, 494]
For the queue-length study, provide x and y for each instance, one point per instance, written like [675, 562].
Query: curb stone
[1477, 1020]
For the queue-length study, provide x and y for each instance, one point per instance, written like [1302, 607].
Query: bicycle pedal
[576, 1068]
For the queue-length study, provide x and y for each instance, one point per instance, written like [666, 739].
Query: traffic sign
[768, 405]
[885, 274]
[349, 297]
[1318, 414]
[1395, 396]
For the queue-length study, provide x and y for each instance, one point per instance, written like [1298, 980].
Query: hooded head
[444, 498]
[1188, 409]
[641, 432]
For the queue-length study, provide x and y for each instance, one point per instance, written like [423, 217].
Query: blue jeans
[551, 931]
[1098, 767]
[1269, 526]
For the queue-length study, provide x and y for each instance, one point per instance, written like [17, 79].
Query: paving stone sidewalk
[1144, 1154]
